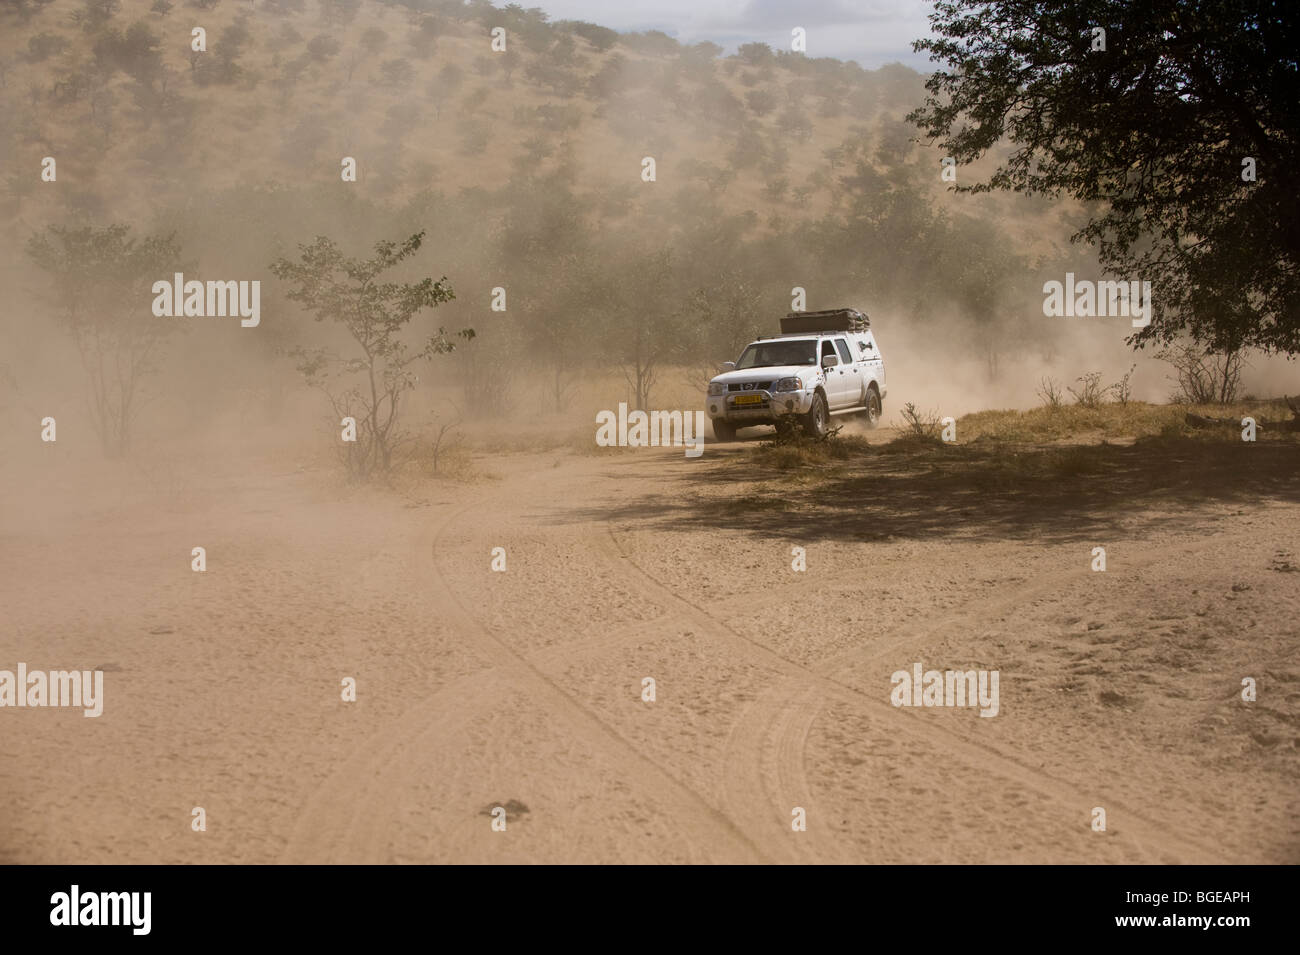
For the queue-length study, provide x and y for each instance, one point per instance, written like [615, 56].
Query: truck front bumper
[758, 407]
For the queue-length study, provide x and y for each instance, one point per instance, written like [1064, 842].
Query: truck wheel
[816, 421]
[874, 410]
[724, 430]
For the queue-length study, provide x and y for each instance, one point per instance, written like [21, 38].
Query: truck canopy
[827, 320]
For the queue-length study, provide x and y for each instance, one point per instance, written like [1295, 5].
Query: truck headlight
[788, 384]
[716, 388]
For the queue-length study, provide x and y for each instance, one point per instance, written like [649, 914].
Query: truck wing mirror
[728, 366]
[830, 361]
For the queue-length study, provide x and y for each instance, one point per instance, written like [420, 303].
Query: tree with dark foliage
[1179, 126]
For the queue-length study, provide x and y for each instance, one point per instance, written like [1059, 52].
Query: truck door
[835, 377]
[853, 387]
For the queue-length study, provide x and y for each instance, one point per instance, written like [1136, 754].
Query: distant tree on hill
[284, 38]
[24, 9]
[796, 122]
[223, 67]
[135, 52]
[528, 25]
[509, 62]
[19, 187]
[72, 84]
[775, 189]
[717, 106]
[701, 53]
[559, 118]
[609, 79]
[474, 100]
[564, 51]
[339, 12]
[45, 45]
[451, 76]
[373, 40]
[322, 48]
[475, 134]
[756, 54]
[396, 73]
[556, 79]
[424, 41]
[601, 38]
[762, 102]
[94, 15]
[748, 149]
[399, 120]
[777, 159]
[653, 42]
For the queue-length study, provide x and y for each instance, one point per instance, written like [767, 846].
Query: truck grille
[753, 386]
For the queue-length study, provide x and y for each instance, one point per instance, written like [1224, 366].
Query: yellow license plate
[749, 400]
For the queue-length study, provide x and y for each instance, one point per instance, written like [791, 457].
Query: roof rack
[827, 320]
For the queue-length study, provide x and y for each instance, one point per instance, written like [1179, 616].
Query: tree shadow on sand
[924, 489]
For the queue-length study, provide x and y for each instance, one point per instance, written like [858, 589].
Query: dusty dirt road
[523, 688]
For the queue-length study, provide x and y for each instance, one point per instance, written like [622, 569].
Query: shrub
[924, 424]
[1050, 391]
[1090, 394]
[1203, 377]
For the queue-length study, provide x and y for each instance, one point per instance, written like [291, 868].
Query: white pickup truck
[822, 364]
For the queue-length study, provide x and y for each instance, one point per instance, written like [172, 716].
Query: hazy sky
[872, 32]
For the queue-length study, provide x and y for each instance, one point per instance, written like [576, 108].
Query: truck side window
[846, 357]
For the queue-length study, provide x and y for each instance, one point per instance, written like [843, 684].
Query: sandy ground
[522, 689]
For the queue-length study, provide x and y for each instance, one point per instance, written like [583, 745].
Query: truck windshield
[767, 354]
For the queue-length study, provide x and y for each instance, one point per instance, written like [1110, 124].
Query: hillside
[415, 93]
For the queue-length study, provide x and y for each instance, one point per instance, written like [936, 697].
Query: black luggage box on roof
[827, 320]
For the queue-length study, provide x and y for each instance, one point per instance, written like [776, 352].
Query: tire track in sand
[757, 738]
[645, 774]
[349, 814]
